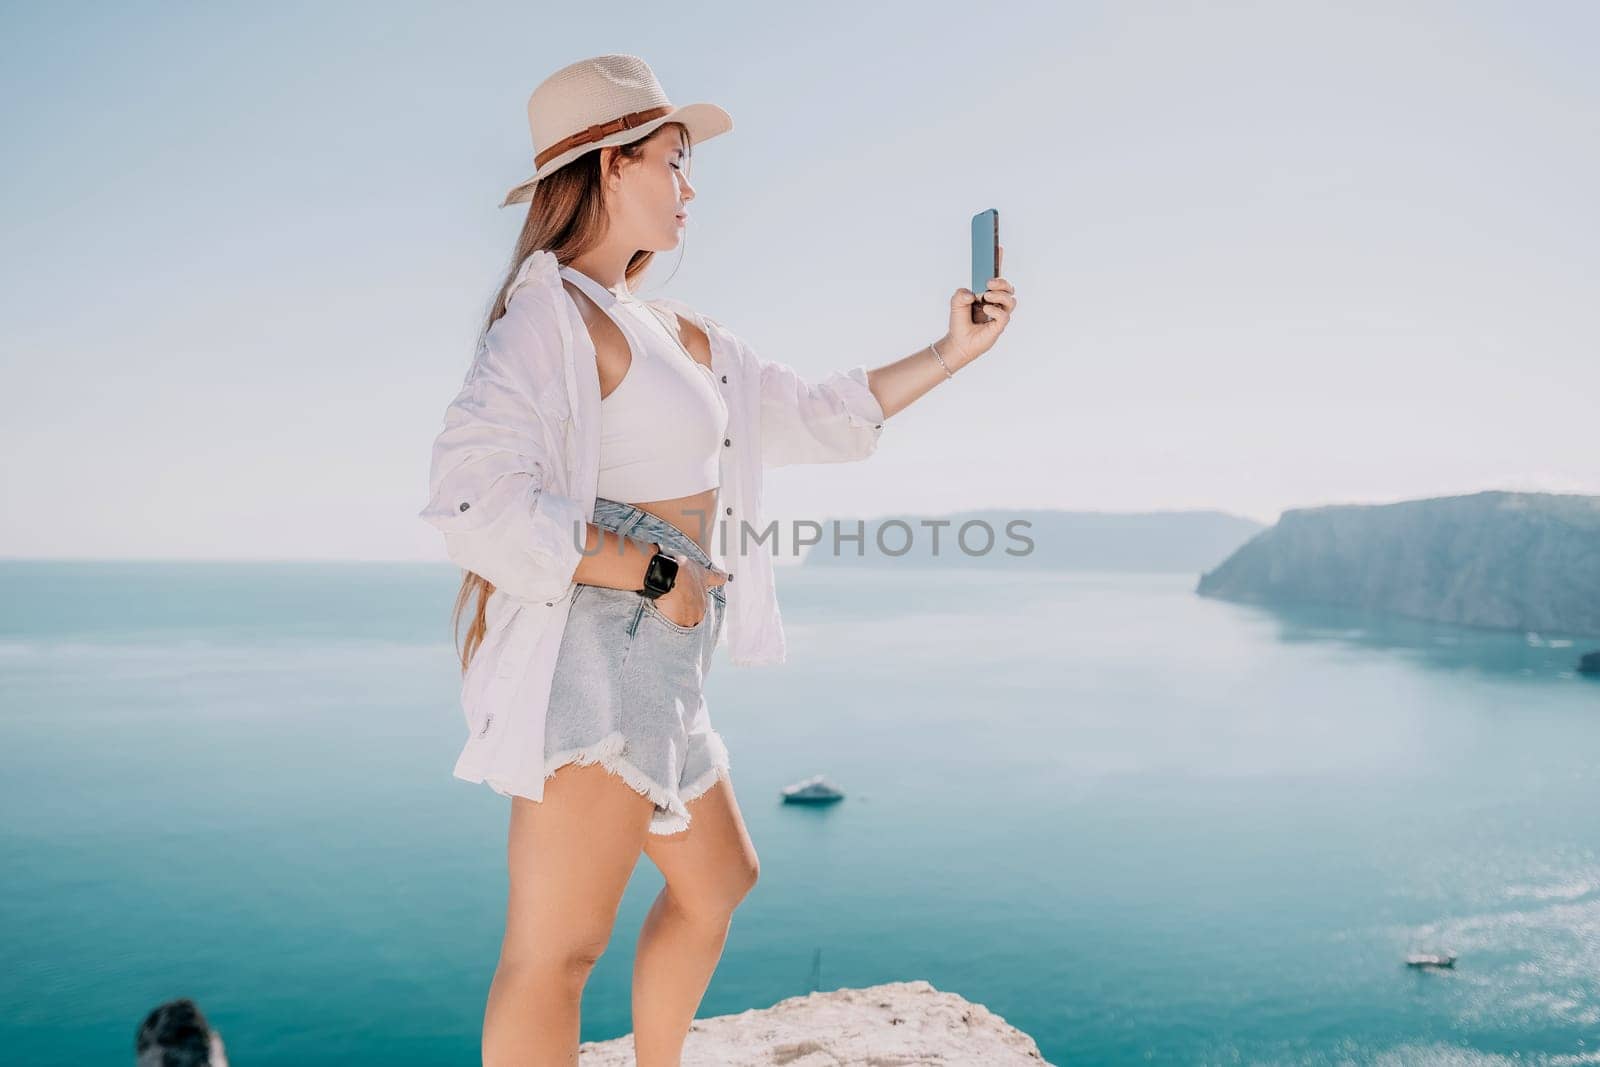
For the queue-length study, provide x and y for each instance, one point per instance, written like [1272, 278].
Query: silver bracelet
[948, 373]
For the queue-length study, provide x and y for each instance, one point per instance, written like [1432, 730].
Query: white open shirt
[513, 476]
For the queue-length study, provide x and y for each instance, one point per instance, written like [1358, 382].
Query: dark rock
[176, 1034]
[1589, 662]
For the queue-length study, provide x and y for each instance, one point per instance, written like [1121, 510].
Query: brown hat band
[598, 131]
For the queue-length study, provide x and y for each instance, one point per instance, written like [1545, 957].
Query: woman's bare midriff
[695, 515]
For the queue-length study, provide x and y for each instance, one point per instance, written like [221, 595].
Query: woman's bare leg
[569, 859]
[709, 869]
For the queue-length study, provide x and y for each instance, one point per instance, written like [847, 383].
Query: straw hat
[604, 100]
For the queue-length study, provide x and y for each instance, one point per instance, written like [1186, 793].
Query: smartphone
[985, 257]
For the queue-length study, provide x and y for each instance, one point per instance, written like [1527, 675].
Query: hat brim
[704, 121]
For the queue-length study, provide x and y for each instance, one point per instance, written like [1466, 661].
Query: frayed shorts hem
[671, 814]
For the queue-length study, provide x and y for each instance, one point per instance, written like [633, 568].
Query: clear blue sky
[1269, 256]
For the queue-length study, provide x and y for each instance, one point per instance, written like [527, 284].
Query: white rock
[897, 1024]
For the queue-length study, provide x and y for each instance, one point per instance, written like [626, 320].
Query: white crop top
[662, 427]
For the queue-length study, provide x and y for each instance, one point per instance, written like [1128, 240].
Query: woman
[576, 478]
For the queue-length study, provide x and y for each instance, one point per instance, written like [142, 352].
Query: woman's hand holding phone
[972, 339]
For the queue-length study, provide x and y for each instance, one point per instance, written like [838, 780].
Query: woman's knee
[715, 900]
[566, 965]
[746, 876]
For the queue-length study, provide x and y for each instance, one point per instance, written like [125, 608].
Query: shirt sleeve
[833, 420]
[489, 477]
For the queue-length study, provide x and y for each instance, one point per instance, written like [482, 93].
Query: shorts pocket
[651, 610]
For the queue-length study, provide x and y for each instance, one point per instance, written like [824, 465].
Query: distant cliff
[1160, 541]
[1524, 561]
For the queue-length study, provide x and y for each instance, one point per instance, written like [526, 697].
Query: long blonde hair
[567, 217]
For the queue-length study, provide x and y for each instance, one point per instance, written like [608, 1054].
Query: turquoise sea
[1143, 826]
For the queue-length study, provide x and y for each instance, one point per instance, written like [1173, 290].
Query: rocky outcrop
[897, 1024]
[1523, 561]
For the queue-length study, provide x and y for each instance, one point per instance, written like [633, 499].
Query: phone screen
[985, 252]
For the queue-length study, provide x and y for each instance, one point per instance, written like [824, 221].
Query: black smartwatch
[659, 575]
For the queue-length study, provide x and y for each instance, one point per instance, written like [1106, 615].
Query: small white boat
[1431, 959]
[813, 790]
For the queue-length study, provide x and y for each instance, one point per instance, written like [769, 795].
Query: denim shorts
[629, 683]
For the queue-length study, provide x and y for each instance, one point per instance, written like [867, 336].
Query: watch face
[660, 575]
